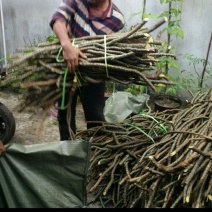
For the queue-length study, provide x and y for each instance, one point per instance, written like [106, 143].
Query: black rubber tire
[7, 124]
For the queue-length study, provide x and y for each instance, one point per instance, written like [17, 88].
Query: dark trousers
[93, 103]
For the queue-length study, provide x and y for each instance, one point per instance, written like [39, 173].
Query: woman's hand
[71, 55]
[2, 148]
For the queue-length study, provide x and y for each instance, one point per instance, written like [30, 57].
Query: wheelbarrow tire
[7, 124]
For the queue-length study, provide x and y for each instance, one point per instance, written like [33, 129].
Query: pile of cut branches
[124, 57]
[154, 160]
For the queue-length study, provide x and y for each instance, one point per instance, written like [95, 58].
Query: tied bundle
[123, 57]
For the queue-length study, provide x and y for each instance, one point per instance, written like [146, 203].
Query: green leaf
[150, 16]
[51, 38]
[180, 34]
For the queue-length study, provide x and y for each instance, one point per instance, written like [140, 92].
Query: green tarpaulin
[48, 175]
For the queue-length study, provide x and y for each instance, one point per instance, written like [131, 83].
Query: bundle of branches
[155, 160]
[124, 57]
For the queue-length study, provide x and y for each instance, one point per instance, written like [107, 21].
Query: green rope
[161, 126]
[140, 130]
[73, 44]
[65, 75]
[64, 89]
[64, 79]
[58, 55]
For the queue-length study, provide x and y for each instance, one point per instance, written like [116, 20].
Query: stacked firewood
[125, 57]
[154, 160]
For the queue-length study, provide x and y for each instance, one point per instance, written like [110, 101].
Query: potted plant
[166, 96]
[167, 99]
[186, 82]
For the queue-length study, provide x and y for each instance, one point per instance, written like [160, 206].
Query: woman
[78, 18]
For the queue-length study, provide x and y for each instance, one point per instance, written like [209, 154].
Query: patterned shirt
[75, 13]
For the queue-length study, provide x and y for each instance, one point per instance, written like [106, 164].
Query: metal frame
[3, 34]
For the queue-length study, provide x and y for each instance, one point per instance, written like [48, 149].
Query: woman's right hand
[71, 55]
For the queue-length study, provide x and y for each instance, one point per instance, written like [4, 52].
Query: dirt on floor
[36, 127]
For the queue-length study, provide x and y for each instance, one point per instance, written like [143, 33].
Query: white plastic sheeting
[121, 105]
